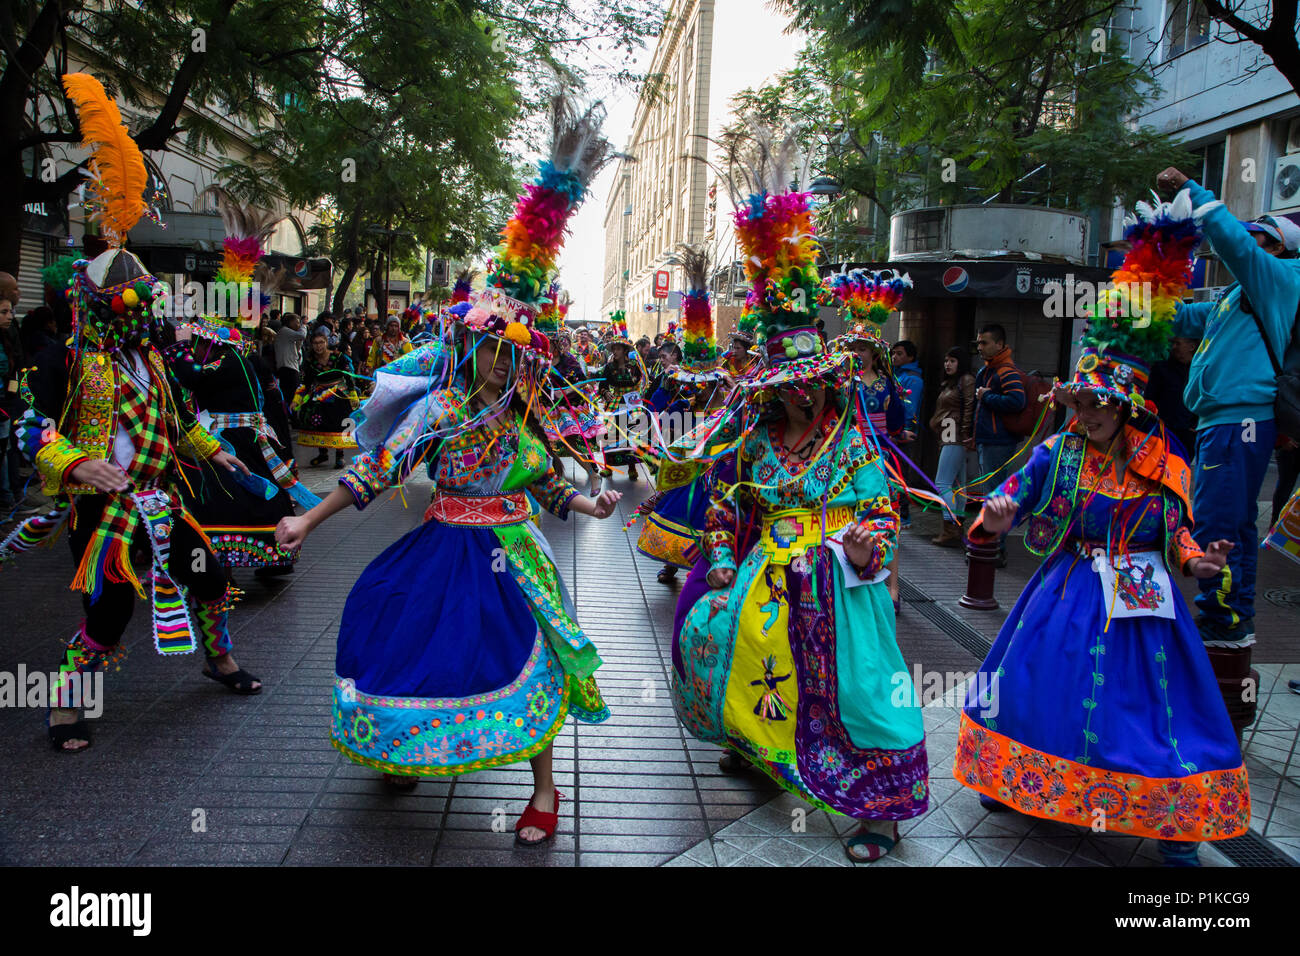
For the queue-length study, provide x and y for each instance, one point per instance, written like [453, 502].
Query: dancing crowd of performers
[781, 502]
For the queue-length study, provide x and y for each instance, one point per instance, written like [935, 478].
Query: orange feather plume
[118, 175]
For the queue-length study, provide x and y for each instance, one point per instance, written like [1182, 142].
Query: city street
[182, 772]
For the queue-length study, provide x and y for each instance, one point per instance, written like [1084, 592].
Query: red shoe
[546, 822]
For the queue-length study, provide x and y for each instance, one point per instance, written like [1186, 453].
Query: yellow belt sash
[786, 535]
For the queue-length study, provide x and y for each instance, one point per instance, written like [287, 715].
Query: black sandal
[60, 734]
[733, 763]
[240, 681]
[400, 781]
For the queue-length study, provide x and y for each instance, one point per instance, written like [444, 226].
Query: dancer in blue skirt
[1097, 704]
[459, 647]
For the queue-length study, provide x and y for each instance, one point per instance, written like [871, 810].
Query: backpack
[1022, 423]
[1286, 407]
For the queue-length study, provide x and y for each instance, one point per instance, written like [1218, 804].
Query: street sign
[662, 280]
[649, 307]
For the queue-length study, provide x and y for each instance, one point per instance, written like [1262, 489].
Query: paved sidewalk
[183, 772]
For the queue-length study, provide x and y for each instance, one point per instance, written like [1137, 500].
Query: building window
[1210, 160]
[1187, 26]
[923, 231]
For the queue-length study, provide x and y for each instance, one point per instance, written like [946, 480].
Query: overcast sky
[749, 46]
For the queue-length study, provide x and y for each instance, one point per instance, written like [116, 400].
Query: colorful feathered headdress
[1132, 324]
[700, 348]
[247, 231]
[775, 229]
[114, 297]
[616, 331]
[866, 299]
[524, 263]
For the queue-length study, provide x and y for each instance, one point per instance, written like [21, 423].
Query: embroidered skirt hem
[1198, 807]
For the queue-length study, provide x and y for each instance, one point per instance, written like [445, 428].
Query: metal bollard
[1238, 683]
[983, 563]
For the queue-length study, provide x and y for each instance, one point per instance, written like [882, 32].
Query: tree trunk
[345, 283]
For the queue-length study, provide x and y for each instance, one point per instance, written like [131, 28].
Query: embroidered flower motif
[1060, 506]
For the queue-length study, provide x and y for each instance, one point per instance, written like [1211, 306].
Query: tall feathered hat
[866, 299]
[247, 232]
[700, 355]
[114, 297]
[521, 272]
[617, 329]
[775, 229]
[1132, 323]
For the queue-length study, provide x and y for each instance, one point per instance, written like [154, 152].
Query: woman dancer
[867, 298]
[791, 661]
[439, 673]
[953, 422]
[1097, 702]
[569, 414]
[325, 399]
[215, 359]
[620, 378]
[675, 514]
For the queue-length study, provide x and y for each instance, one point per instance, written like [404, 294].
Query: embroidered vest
[1054, 510]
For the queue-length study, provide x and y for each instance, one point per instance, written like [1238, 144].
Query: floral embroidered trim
[1214, 805]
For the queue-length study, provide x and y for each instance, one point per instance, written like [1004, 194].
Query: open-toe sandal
[877, 844]
[241, 682]
[60, 734]
[546, 822]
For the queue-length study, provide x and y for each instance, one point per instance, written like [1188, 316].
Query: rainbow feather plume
[548, 316]
[618, 326]
[865, 296]
[463, 286]
[524, 262]
[1136, 316]
[700, 347]
[777, 234]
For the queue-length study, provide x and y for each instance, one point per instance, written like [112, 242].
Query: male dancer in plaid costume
[104, 425]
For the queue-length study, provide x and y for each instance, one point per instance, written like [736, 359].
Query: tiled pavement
[182, 772]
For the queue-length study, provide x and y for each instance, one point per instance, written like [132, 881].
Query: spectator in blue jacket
[1231, 389]
[999, 390]
[908, 372]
